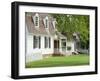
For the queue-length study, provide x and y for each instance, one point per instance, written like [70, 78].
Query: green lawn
[73, 60]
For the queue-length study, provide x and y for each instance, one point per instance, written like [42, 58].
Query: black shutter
[34, 38]
[49, 42]
[39, 42]
[45, 42]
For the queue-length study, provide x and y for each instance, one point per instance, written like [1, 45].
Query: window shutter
[34, 38]
[39, 42]
[49, 42]
[45, 42]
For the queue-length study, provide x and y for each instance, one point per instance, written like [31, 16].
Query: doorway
[56, 46]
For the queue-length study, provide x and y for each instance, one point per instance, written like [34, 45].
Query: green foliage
[68, 24]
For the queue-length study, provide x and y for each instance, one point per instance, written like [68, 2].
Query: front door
[56, 46]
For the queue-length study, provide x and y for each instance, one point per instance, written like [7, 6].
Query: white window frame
[36, 21]
[46, 23]
[63, 41]
[54, 23]
[47, 42]
[38, 42]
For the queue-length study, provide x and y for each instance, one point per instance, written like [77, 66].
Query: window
[47, 41]
[36, 42]
[36, 21]
[63, 44]
[54, 24]
[68, 48]
[46, 22]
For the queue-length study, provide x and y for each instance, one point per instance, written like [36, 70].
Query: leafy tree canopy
[68, 24]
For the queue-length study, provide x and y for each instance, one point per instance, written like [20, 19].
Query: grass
[74, 60]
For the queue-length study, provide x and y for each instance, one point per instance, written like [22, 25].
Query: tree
[68, 24]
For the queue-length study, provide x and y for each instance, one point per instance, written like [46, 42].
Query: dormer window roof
[54, 23]
[36, 20]
[40, 23]
[46, 22]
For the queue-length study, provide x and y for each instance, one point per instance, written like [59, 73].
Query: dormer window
[36, 20]
[46, 22]
[54, 23]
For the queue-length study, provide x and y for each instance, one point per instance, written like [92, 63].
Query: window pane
[36, 21]
[68, 48]
[46, 23]
[34, 42]
[63, 44]
[46, 42]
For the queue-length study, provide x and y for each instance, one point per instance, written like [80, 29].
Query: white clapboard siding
[33, 57]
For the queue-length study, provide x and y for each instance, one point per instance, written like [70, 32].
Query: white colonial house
[43, 39]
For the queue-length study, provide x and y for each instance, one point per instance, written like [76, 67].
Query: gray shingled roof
[41, 29]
